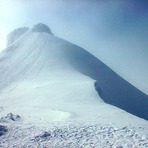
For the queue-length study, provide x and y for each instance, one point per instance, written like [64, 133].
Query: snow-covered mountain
[45, 79]
[36, 56]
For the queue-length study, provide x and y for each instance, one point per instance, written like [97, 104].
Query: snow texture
[70, 136]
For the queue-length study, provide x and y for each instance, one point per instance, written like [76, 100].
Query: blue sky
[113, 30]
[122, 19]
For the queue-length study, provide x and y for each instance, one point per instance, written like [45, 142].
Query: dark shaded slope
[111, 87]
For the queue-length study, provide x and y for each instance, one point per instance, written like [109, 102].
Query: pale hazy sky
[113, 30]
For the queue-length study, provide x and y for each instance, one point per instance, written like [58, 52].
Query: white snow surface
[37, 83]
[16, 34]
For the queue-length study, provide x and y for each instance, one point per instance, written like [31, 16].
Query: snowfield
[48, 97]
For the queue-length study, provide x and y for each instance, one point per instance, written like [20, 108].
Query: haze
[113, 31]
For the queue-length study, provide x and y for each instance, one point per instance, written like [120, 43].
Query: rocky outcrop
[3, 130]
[10, 117]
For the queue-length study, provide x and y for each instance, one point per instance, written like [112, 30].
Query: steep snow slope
[44, 78]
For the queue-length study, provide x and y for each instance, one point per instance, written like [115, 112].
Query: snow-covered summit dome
[41, 28]
[17, 33]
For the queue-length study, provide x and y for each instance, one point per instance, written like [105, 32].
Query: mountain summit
[41, 28]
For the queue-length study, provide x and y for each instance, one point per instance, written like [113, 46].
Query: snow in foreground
[75, 135]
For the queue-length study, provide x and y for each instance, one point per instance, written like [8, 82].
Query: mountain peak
[17, 33]
[41, 28]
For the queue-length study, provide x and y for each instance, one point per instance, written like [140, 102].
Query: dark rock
[10, 117]
[3, 130]
[45, 135]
